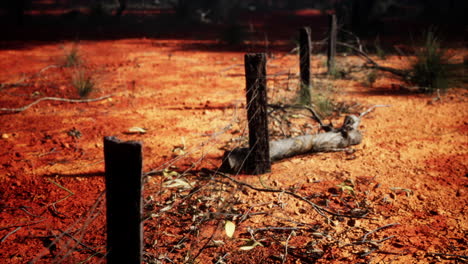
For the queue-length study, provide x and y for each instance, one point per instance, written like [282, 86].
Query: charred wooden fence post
[123, 162]
[258, 160]
[305, 47]
[332, 44]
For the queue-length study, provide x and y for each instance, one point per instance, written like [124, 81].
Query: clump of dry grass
[83, 83]
[430, 70]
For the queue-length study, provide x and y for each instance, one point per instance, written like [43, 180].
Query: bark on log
[347, 135]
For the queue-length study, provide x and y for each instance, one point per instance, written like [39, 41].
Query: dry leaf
[229, 227]
[136, 130]
[251, 244]
[177, 183]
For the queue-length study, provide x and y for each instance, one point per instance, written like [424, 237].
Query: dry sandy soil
[400, 197]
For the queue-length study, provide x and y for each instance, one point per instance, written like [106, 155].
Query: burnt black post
[258, 161]
[123, 162]
[332, 44]
[305, 47]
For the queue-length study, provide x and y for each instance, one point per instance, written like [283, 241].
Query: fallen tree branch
[21, 109]
[373, 64]
[335, 139]
[347, 135]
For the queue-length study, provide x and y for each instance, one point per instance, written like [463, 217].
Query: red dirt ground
[410, 171]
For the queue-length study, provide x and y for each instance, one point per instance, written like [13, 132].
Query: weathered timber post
[305, 47]
[332, 44]
[258, 161]
[123, 163]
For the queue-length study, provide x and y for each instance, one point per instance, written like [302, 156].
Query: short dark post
[332, 44]
[123, 162]
[258, 161]
[305, 47]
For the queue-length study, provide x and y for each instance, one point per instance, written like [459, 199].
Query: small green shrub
[379, 51]
[72, 58]
[304, 96]
[371, 78]
[323, 104]
[83, 83]
[429, 71]
[321, 98]
[337, 73]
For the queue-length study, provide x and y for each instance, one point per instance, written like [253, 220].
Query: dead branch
[364, 238]
[21, 109]
[373, 64]
[315, 115]
[21, 82]
[286, 246]
[371, 109]
[9, 234]
[347, 135]
[358, 40]
[320, 210]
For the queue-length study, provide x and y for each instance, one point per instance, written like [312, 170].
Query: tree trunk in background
[121, 8]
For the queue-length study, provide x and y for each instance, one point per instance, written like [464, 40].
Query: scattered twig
[23, 224]
[21, 82]
[320, 210]
[91, 217]
[374, 64]
[21, 109]
[276, 228]
[70, 193]
[364, 238]
[286, 246]
[46, 68]
[448, 255]
[315, 115]
[23, 208]
[231, 67]
[95, 253]
[372, 109]
[87, 221]
[9, 234]
[358, 40]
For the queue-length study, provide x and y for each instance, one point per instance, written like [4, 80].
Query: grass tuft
[304, 96]
[72, 58]
[379, 51]
[430, 70]
[83, 83]
[371, 77]
[323, 104]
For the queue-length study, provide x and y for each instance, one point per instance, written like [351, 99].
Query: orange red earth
[411, 168]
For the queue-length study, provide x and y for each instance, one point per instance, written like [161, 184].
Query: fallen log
[343, 137]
